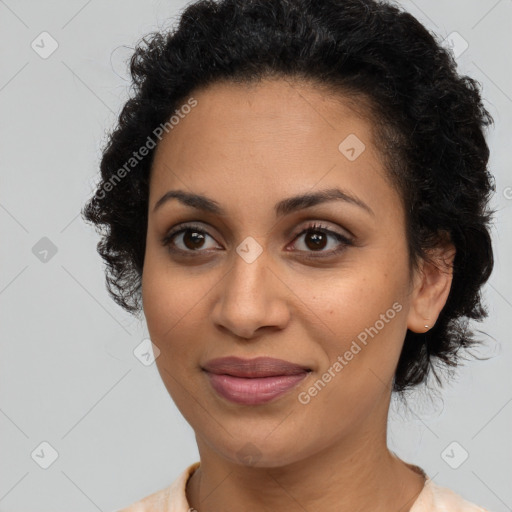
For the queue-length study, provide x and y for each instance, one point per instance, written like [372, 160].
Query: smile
[253, 381]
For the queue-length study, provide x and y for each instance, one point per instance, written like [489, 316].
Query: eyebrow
[282, 208]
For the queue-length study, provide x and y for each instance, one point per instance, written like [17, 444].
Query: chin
[258, 452]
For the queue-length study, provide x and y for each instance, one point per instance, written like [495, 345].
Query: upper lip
[257, 367]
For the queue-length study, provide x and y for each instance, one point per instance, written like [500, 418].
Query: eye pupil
[316, 236]
[192, 237]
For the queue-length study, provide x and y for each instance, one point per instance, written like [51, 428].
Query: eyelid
[311, 226]
[185, 226]
[321, 226]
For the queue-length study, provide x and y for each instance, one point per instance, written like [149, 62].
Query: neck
[357, 473]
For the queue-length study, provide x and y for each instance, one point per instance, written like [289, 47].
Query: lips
[251, 368]
[253, 381]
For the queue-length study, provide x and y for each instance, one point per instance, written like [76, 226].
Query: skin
[248, 147]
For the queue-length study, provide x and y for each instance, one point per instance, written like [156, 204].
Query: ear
[432, 284]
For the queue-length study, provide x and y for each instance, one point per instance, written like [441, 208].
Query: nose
[252, 299]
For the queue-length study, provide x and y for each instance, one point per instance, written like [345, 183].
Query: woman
[296, 197]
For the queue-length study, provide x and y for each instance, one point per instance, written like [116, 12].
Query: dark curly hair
[428, 122]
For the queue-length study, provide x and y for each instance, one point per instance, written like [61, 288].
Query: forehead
[268, 140]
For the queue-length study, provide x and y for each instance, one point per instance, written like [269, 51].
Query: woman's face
[252, 286]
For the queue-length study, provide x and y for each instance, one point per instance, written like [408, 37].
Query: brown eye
[188, 238]
[316, 239]
[193, 239]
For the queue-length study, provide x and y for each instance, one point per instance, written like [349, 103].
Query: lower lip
[255, 390]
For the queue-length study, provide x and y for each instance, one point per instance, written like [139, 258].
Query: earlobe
[432, 286]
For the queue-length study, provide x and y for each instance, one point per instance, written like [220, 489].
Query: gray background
[68, 375]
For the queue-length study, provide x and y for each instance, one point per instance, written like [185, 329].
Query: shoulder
[171, 498]
[156, 502]
[435, 498]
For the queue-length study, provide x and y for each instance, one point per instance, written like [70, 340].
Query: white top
[432, 498]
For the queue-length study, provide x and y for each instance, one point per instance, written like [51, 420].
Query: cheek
[168, 297]
[174, 309]
[366, 316]
[159, 302]
[169, 303]
[365, 311]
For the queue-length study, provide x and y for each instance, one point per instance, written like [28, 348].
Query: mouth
[253, 381]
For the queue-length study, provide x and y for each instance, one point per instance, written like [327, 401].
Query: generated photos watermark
[305, 397]
[145, 149]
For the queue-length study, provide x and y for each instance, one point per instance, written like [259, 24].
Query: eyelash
[314, 227]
